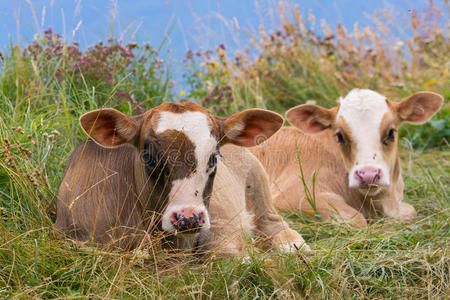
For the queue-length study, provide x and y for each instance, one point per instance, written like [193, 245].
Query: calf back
[98, 199]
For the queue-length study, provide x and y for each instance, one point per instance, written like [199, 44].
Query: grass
[388, 259]
[45, 88]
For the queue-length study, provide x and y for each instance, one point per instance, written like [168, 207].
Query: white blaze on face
[188, 192]
[363, 110]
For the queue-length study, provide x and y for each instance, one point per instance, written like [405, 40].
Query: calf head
[365, 124]
[178, 146]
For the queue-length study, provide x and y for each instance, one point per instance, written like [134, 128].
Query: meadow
[46, 85]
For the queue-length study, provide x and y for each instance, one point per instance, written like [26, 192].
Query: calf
[159, 169]
[351, 149]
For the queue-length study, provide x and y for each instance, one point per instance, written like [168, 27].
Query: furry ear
[419, 107]
[108, 127]
[251, 127]
[310, 118]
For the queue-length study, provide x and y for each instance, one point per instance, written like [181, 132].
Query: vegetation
[296, 63]
[46, 86]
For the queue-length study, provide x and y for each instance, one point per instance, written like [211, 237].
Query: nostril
[368, 176]
[174, 217]
[201, 218]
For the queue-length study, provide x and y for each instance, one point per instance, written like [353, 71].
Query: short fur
[316, 144]
[110, 196]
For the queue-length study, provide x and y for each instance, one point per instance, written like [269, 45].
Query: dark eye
[340, 138]
[390, 136]
[213, 159]
[149, 160]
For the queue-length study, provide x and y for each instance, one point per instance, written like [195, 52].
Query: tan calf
[351, 149]
[163, 169]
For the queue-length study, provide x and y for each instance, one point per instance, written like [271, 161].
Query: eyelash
[148, 158]
[340, 138]
[212, 162]
[390, 137]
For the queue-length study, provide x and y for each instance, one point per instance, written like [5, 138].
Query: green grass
[388, 259]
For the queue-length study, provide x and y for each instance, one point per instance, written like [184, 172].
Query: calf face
[366, 124]
[178, 150]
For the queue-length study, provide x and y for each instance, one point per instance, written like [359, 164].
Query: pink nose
[188, 219]
[368, 176]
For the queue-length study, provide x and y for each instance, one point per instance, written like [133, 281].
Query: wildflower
[347, 69]
[202, 64]
[182, 93]
[199, 74]
[427, 85]
[208, 54]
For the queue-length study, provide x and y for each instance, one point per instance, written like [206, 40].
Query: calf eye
[340, 138]
[390, 136]
[213, 159]
[149, 160]
[148, 155]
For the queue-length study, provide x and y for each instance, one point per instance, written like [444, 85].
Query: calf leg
[227, 235]
[330, 205]
[267, 220]
[394, 207]
[397, 209]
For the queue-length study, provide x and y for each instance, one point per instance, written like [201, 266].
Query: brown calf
[164, 168]
[352, 149]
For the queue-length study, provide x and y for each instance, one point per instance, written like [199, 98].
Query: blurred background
[194, 24]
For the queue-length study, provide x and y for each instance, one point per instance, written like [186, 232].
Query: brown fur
[320, 154]
[107, 196]
[279, 157]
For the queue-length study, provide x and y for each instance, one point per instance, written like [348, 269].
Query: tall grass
[47, 85]
[296, 63]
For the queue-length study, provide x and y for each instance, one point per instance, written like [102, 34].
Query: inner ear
[419, 107]
[108, 127]
[310, 118]
[251, 127]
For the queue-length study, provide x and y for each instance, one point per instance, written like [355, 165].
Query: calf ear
[251, 127]
[419, 107]
[108, 127]
[310, 118]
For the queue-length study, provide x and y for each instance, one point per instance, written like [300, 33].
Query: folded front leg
[330, 205]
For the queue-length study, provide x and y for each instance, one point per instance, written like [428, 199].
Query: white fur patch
[183, 195]
[187, 192]
[195, 125]
[363, 111]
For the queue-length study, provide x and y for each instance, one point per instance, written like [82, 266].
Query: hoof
[290, 241]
